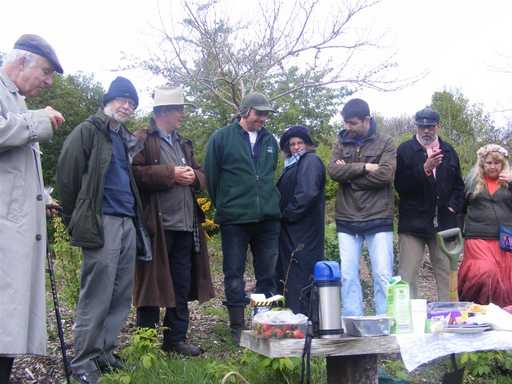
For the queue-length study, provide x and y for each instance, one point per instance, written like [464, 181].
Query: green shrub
[331, 243]
[493, 367]
[68, 260]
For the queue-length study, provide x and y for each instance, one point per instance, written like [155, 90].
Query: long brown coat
[153, 282]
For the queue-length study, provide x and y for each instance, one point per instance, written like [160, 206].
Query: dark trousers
[180, 246]
[263, 238]
[5, 369]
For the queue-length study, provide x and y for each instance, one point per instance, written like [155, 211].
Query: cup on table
[418, 315]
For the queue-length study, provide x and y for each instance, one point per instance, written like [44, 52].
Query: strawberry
[298, 334]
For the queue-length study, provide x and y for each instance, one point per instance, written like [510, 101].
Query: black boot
[236, 322]
[5, 369]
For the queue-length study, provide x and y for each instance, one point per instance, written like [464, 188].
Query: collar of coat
[261, 133]
[345, 138]
[9, 84]
[101, 121]
[154, 131]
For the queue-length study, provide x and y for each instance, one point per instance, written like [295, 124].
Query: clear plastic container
[367, 325]
[280, 324]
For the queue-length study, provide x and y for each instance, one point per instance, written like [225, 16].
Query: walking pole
[60, 330]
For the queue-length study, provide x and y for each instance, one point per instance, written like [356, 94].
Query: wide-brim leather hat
[164, 96]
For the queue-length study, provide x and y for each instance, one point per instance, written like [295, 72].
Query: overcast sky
[459, 43]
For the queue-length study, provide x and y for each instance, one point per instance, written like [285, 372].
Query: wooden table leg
[352, 369]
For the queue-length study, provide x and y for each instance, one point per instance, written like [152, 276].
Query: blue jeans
[263, 237]
[380, 249]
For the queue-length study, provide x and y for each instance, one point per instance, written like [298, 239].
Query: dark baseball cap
[427, 117]
[39, 46]
[256, 101]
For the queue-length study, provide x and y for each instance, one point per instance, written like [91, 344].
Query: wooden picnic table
[350, 360]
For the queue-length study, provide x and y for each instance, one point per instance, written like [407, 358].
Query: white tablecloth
[417, 349]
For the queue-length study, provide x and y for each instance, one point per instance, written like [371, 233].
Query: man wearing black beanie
[102, 210]
[363, 163]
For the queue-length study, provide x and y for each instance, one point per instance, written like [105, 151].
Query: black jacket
[302, 205]
[421, 195]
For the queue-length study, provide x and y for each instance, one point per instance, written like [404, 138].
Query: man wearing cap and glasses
[168, 177]
[103, 213]
[429, 183]
[27, 70]
[240, 163]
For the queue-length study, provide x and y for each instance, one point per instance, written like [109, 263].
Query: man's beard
[427, 139]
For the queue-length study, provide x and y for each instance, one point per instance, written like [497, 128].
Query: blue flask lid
[327, 271]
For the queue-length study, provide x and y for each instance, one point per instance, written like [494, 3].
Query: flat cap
[39, 46]
[427, 117]
[255, 101]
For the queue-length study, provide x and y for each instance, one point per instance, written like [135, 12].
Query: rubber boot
[236, 322]
[5, 369]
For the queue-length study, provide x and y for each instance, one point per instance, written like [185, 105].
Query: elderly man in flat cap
[240, 163]
[429, 183]
[169, 177]
[102, 210]
[27, 70]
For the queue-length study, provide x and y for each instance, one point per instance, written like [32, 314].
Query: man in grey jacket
[102, 210]
[26, 71]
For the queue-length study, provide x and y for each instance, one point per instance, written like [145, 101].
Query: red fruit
[298, 334]
[267, 333]
[278, 333]
[267, 327]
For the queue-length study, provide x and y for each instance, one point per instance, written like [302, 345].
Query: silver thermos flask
[327, 280]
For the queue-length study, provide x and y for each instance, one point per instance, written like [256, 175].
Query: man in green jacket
[102, 210]
[240, 163]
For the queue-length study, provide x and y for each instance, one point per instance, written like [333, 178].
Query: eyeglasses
[126, 102]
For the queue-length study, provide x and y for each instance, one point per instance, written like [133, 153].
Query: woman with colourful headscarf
[486, 272]
[301, 241]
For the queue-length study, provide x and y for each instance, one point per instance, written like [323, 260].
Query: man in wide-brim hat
[169, 177]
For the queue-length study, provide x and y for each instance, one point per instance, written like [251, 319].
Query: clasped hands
[184, 175]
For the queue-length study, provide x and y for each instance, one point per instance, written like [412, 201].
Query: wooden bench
[350, 360]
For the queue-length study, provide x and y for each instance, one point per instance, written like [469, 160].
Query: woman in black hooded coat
[301, 185]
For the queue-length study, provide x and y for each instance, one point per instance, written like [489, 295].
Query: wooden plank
[353, 369]
[343, 346]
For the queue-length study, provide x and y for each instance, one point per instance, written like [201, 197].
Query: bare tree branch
[230, 59]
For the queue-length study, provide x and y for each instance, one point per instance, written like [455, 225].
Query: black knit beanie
[121, 87]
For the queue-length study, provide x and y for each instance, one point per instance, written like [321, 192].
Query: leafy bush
[487, 367]
[68, 260]
[331, 243]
